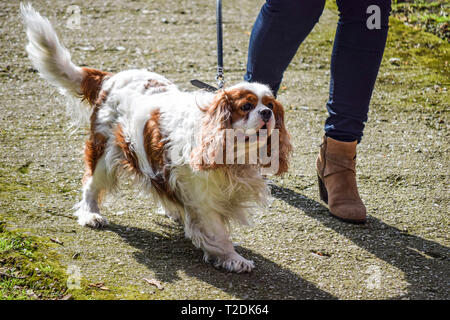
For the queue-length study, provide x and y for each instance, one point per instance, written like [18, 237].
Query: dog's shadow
[168, 255]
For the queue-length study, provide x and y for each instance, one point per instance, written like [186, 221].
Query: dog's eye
[246, 107]
[270, 105]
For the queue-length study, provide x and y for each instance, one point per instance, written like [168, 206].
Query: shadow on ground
[425, 263]
[267, 281]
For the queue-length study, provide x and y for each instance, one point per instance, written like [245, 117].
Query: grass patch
[24, 168]
[417, 62]
[417, 48]
[430, 16]
[331, 4]
[28, 268]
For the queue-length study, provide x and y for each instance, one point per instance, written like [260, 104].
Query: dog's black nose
[265, 114]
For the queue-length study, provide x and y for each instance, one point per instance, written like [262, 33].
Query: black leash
[219, 77]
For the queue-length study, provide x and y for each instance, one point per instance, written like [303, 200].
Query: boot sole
[323, 193]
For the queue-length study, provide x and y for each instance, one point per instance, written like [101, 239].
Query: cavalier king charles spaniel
[173, 143]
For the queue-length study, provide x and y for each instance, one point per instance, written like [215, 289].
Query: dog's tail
[53, 61]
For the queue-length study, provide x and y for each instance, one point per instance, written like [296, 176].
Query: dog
[169, 141]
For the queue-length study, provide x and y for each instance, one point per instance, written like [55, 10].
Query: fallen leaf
[99, 285]
[96, 285]
[320, 253]
[154, 282]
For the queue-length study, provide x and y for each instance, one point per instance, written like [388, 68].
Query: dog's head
[249, 114]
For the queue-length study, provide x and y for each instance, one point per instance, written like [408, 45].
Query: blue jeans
[281, 27]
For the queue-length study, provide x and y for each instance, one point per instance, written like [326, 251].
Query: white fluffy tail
[47, 54]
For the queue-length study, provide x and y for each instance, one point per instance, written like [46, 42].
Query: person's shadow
[425, 263]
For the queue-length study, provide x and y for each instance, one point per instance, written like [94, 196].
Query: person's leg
[355, 61]
[280, 28]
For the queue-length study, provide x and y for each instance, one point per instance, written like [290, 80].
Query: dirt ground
[300, 251]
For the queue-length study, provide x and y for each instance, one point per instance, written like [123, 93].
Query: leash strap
[219, 77]
[202, 85]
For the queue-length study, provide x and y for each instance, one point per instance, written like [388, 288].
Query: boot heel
[322, 190]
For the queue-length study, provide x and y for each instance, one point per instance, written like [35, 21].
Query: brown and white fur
[142, 125]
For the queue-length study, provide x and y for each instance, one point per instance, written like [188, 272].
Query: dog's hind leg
[88, 211]
[209, 232]
[96, 181]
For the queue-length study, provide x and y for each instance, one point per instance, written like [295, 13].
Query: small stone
[88, 48]
[395, 61]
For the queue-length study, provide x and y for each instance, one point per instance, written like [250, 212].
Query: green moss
[422, 69]
[24, 168]
[331, 4]
[418, 48]
[113, 293]
[17, 182]
[30, 269]
[430, 16]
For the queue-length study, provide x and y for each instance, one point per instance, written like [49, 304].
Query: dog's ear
[284, 140]
[209, 153]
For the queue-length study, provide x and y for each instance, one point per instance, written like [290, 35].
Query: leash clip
[220, 78]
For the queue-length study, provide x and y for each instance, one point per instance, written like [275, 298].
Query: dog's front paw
[93, 220]
[236, 263]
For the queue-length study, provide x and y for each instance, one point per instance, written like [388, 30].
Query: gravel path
[300, 251]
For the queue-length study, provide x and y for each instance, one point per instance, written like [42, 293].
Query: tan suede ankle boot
[337, 180]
